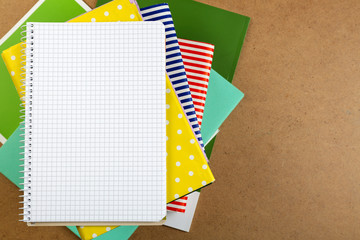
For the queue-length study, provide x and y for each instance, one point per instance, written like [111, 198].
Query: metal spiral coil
[27, 38]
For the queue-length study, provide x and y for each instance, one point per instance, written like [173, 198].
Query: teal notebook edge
[222, 98]
[46, 11]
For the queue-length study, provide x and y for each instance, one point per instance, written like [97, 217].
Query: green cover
[49, 11]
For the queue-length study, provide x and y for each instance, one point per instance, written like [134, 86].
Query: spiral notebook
[95, 124]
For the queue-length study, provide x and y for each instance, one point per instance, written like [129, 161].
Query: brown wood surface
[286, 161]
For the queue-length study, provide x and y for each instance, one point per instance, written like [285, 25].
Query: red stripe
[175, 209]
[184, 198]
[201, 97]
[197, 78]
[196, 59]
[195, 65]
[197, 84]
[196, 71]
[197, 90]
[178, 203]
[196, 97]
[197, 53]
[199, 110]
[200, 104]
[195, 46]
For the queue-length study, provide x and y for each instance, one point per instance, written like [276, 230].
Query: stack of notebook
[118, 110]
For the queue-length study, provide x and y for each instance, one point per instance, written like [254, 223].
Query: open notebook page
[95, 123]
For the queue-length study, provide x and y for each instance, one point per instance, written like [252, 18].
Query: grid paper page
[98, 131]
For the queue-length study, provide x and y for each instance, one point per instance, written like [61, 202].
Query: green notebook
[43, 11]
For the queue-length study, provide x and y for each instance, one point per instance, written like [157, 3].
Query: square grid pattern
[98, 144]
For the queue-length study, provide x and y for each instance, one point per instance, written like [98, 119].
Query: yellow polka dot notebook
[187, 168]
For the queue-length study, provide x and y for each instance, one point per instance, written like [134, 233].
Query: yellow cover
[187, 168]
[12, 60]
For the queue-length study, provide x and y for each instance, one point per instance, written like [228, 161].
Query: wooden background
[287, 160]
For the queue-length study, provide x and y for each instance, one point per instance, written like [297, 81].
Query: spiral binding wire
[26, 116]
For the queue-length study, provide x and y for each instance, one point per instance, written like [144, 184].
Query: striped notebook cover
[178, 76]
[174, 63]
[197, 58]
[179, 205]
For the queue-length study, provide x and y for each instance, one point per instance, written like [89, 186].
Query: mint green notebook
[43, 11]
[222, 98]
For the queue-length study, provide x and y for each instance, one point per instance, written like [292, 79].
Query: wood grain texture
[286, 161]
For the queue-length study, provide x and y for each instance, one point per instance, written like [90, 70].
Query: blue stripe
[192, 119]
[172, 42]
[188, 106]
[184, 80]
[170, 35]
[184, 94]
[169, 63]
[154, 6]
[197, 132]
[177, 75]
[168, 22]
[185, 100]
[192, 106]
[172, 48]
[196, 126]
[155, 12]
[169, 29]
[181, 88]
[158, 18]
[191, 113]
[174, 55]
[175, 68]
